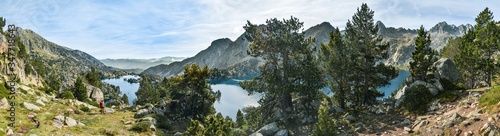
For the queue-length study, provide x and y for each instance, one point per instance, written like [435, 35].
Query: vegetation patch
[491, 99]
[141, 126]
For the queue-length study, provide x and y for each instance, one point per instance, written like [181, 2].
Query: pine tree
[2, 24]
[487, 34]
[125, 98]
[290, 68]
[468, 59]
[325, 125]
[336, 63]
[93, 77]
[240, 119]
[80, 90]
[423, 56]
[368, 52]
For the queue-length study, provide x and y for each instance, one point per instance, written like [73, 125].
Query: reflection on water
[125, 87]
[233, 98]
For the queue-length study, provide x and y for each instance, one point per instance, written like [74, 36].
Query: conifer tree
[468, 59]
[368, 52]
[336, 64]
[240, 119]
[2, 24]
[325, 125]
[423, 56]
[80, 90]
[487, 34]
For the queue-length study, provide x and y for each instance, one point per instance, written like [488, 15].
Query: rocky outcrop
[446, 69]
[60, 121]
[141, 113]
[268, 130]
[94, 93]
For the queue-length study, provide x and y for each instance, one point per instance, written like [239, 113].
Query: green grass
[490, 99]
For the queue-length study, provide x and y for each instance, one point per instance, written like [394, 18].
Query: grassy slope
[96, 124]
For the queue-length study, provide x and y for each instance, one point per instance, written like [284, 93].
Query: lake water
[125, 87]
[233, 96]
[388, 89]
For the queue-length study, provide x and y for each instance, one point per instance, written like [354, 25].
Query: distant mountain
[232, 55]
[138, 65]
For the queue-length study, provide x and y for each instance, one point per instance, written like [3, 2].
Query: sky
[181, 28]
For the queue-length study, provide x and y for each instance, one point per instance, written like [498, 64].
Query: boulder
[282, 132]
[44, 99]
[406, 122]
[149, 119]
[444, 68]
[10, 132]
[178, 134]
[141, 113]
[451, 121]
[429, 86]
[152, 127]
[4, 104]
[30, 106]
[94, 92]
[109, 110]
[256, 134]
[349, 117]
[489, 129]
[269, 129]
[420, 125]
[39, 101]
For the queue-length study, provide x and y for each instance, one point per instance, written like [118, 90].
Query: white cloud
[145, 29]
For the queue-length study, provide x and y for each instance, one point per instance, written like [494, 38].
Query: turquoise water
[125, 87]
[388, 89]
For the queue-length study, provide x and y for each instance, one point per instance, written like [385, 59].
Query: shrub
[141, 126]
[93, 103]
[417, 99]
[67, 95]
[115, 103]
[85, 109]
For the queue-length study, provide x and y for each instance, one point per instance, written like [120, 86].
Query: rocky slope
[139, 64]
[226, 54]
[58, 60]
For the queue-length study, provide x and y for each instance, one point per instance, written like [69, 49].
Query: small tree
[240, 119]
[125, 98]
[325, 125]
[80, 90]
[2, 24]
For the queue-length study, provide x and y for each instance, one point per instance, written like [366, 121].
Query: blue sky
[182, 28]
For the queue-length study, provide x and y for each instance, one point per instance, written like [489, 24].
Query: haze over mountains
[138, 65]
[232, 55]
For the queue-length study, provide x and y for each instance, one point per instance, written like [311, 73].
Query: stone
[469, 133]
[4, 104]
[407, 129]
[59, 121]
[256, 134]
[141, 113]
[109, 110]
[10, 132]
[444, 68]
[44, 99]
[282, 132]
[94, 92]
[128, 123]
[420, 125]
[39, 101]
[429, 86]
[269, 129]
[30, 106]
[379, 111]
[466, 123]
[149, 119]
[159, 111]
[438, 85]
[400, 92]
[406, 122]
[489, 129]
[152, 127]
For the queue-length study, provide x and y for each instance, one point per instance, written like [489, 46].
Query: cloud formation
[152, 29]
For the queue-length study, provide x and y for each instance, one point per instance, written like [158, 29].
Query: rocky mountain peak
[443, 27]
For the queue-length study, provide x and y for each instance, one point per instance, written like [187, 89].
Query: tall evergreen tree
[290, 68]
[2, 24]
[368, 53]
[423, 56]
[80, 90]
[125, 98]
[337, 64]
[468, 59]
[487, 34]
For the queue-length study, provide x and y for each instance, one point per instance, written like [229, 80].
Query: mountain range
[138, 65]
[232, 55]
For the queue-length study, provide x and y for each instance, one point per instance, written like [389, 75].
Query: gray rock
[489, 129]
[406, 122]
[446, 69]
[438, 85]
[469, 133]
[30, 106]
[401, 92]
[109, 110]
[178, 134]
[152, 127]
[429, 86]
[269, 129]
[44, 99]
[349, 117]
[10, 132]
[94, 92]
[65, 120]
[256, 134]
[39, 101]
[282, 132]
[149, 119]
[141, 113]
[379, 111]
[420, 125]
[4, 104]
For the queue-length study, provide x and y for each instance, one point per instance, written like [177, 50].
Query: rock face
[30, 106]
[94, 93]
[446, 69]
[269, 129]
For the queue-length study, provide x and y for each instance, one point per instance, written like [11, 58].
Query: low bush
[417, 99]
[85, 109]
[67, 95]
[141, 126]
